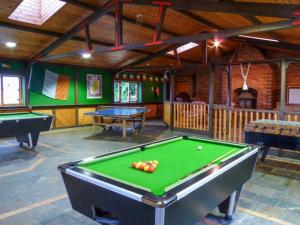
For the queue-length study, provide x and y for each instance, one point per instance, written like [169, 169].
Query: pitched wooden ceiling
[31, 39]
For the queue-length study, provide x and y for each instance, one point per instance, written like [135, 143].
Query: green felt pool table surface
[19, 116]
[177, 160]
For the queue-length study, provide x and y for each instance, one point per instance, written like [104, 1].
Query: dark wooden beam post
[27, 78]
[211, 98]
[204, 52]
[177, 56]
[172, 92]
[229, 94]
[76, 89]
[165, 87]
[229, 86]
[159, 22]
[118, 24]
[283, 89]
[88, 37]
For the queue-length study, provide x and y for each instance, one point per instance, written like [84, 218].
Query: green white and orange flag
[55, 86]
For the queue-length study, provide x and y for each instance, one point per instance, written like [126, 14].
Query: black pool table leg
[228, 207]
[31, 139]
[265, 150]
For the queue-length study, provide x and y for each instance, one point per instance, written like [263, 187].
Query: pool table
[25, 126]
[193, 177]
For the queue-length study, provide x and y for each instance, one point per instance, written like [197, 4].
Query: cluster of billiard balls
[148, 166]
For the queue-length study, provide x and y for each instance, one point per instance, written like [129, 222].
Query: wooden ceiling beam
[222, 34]
[72, 32]
[79, 39]
[200, 19]
[111, 14]
[148, 58]
[243, 8]
[160, 21]
[118, 24]
[257, 42]
[255, 21]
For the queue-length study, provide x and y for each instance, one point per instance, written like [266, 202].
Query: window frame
[20, 90]
[138, 83]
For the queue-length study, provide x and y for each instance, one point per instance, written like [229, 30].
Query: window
[126, 91]
[36, 11]
[10, 91]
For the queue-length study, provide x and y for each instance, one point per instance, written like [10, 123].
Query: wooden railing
[228, 123]
[191, 116]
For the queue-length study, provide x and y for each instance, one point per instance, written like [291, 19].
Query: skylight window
[36, 11]
[184, 48]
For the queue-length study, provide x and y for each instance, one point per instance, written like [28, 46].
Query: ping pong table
[124, 117]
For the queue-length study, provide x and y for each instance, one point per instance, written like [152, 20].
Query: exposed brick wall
[202, 84]
[260, 77]
[265, 78]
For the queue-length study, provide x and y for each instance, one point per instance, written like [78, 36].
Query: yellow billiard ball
[146, 168]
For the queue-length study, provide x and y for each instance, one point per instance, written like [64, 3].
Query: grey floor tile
[272, 195]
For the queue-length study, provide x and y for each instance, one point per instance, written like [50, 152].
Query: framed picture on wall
[293, 95]
[94, 86]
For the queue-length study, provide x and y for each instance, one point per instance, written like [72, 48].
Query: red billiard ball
[142, 166]
[133, 165]
[151, 169]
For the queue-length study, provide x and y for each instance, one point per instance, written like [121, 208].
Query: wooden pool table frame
[184, 203]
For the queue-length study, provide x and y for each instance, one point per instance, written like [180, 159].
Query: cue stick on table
[222, 156]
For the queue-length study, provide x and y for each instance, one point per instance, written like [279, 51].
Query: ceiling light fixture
[86, 55]
[216, 43]
[11, 44]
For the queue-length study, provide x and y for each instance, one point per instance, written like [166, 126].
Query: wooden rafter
[281, 44]
[72, 32]
[79, 39]
[159, 22]
[118, 23]
[242, 8]
[148, 58]
[88, 37]
[222, 34]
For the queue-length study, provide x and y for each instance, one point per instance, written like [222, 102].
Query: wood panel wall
[73, 116]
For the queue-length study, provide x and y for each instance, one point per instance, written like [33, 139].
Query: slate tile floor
[32, 191]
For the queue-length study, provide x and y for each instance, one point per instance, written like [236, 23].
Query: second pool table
[193, 177]
[25, 126]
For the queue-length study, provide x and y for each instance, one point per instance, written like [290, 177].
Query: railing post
[229, 95]
[283, 89]
[211, 99]
[172, 87]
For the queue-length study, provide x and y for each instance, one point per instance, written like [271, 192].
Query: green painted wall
[37, 78]
[11, 67]
[148, 94]
[38, 71]
[107, 90]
